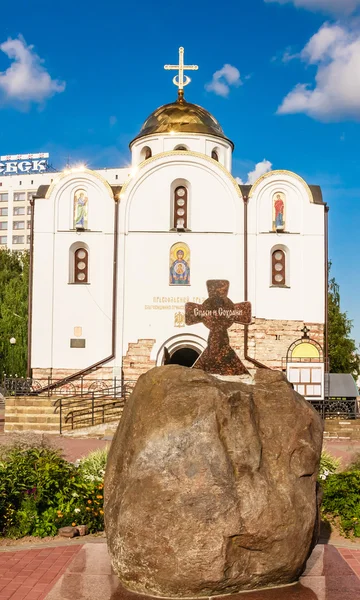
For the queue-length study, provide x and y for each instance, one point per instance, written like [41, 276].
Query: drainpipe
[326, 303]
[31, 280]
[246, 327]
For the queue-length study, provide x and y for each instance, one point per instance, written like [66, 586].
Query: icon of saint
[279, 212]
[81, 210]
[180, 270]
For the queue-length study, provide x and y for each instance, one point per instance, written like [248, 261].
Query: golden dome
[181, 117]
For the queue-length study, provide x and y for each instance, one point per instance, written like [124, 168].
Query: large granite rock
[210, 486]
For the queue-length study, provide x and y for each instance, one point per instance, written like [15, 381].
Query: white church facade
[114, 261]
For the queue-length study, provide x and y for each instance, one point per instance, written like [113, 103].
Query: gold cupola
[181, 117]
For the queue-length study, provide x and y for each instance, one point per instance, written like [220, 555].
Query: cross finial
[305, 331]
[181, 80]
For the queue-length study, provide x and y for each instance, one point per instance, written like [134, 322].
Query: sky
[78, 79]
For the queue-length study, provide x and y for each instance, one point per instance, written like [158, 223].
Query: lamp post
[12, 342]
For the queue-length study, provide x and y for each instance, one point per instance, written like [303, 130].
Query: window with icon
[180, 207]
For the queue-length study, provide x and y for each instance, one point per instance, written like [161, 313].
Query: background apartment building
[17, 188]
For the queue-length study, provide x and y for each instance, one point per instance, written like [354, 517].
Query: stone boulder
[210, 486]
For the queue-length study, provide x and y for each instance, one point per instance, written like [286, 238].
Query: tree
[343, 355]
[14, 291]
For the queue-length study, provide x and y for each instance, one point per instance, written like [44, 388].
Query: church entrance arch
[184, 357]
[181, 349]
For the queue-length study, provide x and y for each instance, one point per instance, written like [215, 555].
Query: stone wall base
[43, 374]
[269, 340]
[137, 360]
[268, 343]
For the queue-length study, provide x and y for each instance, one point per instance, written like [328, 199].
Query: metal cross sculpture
[218, 313]
[181, 80]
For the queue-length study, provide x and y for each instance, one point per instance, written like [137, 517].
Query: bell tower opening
[184, 357]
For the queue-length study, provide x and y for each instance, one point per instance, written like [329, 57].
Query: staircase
[31, 413]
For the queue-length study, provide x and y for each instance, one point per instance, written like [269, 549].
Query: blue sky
[289, 95]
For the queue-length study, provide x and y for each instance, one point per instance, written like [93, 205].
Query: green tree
[14, 290]
[343, 354]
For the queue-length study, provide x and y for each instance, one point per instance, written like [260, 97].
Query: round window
[81, 265]
[180, 192]
[81, 254]
[80, 276]
[180, 202]
[278, 267]
[279, 278]
[278, 255]
[180, 212]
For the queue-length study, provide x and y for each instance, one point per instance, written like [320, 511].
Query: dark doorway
[184, 357]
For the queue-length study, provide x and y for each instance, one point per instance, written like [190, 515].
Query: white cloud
[223, 79]
[328, 6]
[260, 168]
[335, 50]
[26, 80]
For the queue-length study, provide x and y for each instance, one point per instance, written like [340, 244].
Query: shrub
[328, 465]
[341, 501]
[40, 491]
[355, 463]
[94, 464]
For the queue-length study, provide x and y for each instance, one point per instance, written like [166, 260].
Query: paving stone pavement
[74, 572]
[352, 557]
[31, 574]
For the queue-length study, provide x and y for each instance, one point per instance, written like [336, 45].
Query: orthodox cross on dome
[218, 313]
[181, 80]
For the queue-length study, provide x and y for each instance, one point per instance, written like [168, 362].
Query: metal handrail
[74, 406]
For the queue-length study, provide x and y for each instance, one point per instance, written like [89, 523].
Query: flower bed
[40, 491]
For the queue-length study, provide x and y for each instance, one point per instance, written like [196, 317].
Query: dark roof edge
[317, 194]
[41, 191]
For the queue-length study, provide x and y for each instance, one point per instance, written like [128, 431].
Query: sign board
[21, 164]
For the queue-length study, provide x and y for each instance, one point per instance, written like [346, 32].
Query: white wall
[203, 144]
[303, 243]
[58, 304]
[215, 241]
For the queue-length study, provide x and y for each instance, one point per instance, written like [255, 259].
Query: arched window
[181, 148]
[81, 266]
[215, 155]
[146, 153]
[278, 262]
[180, 207]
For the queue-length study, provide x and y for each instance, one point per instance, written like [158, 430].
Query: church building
[115, 256]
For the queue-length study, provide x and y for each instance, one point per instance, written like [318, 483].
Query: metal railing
[21, 386]
[335, 408]
[93, 407]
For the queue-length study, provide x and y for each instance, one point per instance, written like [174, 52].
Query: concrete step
[28, 401]
[45, 427]
[32, 419]
[28, 410]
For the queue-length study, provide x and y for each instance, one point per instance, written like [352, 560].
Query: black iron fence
[21, 386]
[335, 408]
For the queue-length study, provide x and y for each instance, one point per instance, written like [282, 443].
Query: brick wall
[137, 360]
[269, 340]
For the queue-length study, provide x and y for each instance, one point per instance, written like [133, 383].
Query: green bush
[341, 501]
[355, 463]
[94, 464]
[328, 465]
[40, 491]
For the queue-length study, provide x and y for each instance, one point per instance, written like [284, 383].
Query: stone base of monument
[210, 486]
[90, 577]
